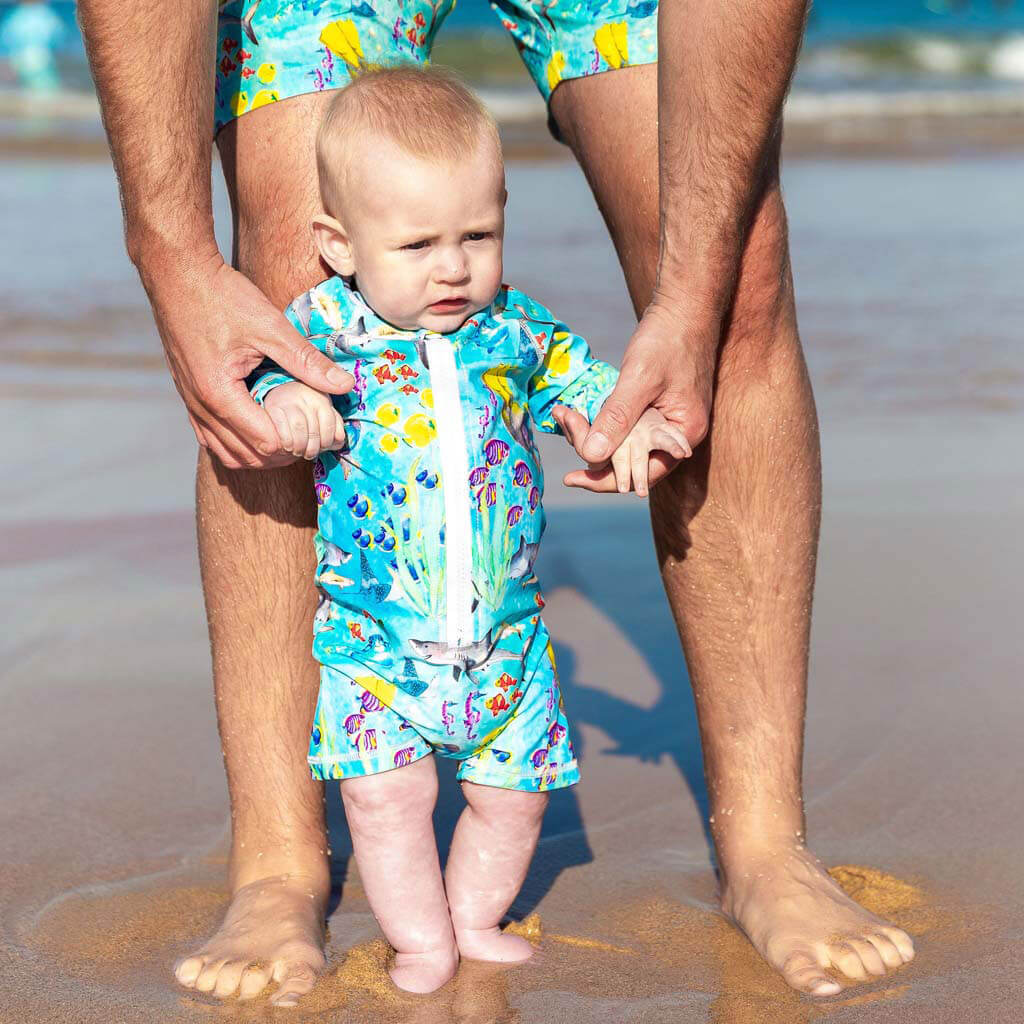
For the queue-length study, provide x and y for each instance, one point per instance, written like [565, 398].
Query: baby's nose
[453, 267]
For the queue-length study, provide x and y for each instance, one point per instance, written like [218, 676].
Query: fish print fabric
[429, 523]
[269, 50]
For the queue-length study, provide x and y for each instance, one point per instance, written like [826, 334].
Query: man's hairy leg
[736, 530]
[256, 555]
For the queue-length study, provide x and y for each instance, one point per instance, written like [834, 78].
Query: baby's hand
[652, 433]
[306, 421]
[653, 444]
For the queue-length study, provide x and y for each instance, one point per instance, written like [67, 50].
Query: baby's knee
[508, 808]
[390, 798]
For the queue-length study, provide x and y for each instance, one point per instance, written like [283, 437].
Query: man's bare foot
[493, 944]
[273, 931]
[801, 922]
[424, 972]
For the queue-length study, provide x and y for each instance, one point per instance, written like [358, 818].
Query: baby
[429, 628]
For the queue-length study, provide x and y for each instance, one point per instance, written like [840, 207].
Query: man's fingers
[236, 415]
[231, 449]
[304, 361]
[601, 481]
[623, 407]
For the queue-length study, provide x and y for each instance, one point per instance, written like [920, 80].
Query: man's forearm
[724, 68]
[152, 61]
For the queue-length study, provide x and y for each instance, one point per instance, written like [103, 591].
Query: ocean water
[831, 21]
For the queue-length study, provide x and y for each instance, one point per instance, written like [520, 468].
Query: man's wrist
[168, 245]
[159, 260]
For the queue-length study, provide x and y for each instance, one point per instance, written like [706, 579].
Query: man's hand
[669, 365]
[216, 327]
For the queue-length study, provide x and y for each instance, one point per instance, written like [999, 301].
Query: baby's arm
[568, 374]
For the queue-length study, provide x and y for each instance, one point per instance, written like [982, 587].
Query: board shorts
[271, 50]
[504, 720]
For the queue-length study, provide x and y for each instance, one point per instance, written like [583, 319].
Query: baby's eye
[478, 236]
[421, 244]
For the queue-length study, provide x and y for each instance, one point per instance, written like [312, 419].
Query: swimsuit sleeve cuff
[265, 383]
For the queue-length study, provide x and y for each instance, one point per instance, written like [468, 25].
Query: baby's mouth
[448, 305]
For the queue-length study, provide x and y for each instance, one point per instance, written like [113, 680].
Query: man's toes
[846, 959]
[294, 981]
[228, 978]
[805, 974]
[254, 981]
[887, 951]
[902, 941]
[869, 956]
[208, 975]
[187, 970]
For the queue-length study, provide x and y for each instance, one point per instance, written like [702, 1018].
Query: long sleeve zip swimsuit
[429, 630]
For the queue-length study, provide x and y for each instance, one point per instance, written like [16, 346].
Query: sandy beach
[113, 807]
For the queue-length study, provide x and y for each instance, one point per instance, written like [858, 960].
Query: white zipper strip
[451, 439]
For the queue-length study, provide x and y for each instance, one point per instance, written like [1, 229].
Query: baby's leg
[390, 818]
[493, 845]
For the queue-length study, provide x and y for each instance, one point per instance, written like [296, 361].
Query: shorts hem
[566, 776]
[331, 768]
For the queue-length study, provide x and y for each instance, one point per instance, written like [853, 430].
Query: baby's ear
[333, 242]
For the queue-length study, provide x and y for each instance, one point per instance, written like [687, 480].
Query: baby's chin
[446, 323]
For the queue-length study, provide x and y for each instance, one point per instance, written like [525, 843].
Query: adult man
[736, 527]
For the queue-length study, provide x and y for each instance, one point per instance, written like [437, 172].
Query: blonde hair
[425, 111]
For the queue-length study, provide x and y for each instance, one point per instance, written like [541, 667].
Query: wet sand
[113, 803]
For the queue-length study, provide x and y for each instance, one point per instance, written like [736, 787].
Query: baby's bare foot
[273, 930]
[493, 944]
[424, 972]
[801, 922]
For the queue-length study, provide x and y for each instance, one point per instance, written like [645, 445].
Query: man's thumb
[305, 362]
[623, 407]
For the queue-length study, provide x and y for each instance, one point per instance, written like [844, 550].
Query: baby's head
[413, 189]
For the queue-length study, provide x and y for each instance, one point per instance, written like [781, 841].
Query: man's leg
[256, 554]
[736, 529]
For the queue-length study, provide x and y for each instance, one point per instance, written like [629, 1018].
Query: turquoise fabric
[270, 50]
[384, 622]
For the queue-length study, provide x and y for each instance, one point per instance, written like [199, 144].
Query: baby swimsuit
[429, 628]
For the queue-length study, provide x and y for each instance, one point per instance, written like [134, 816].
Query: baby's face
[425, 238]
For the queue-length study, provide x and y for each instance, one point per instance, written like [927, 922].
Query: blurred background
[865, 62]
[903, 171]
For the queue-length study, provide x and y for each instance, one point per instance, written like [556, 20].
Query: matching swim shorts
[270, 50]
[503, 719]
